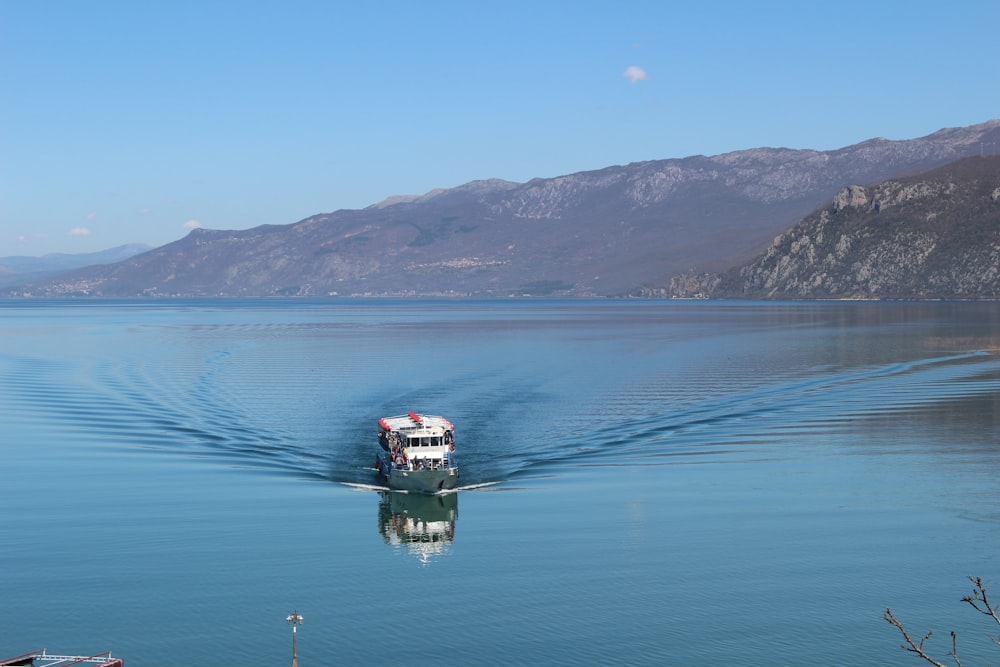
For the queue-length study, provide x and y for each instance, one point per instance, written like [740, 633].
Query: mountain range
[935, 235]
[620, 230]
[19, 269]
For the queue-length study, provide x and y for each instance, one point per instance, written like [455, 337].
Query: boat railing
[424, 464]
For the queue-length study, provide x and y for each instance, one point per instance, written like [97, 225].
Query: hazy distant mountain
[592, 233]
[17, 270]
[934, 235]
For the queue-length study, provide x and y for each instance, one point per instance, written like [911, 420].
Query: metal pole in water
[293, 620]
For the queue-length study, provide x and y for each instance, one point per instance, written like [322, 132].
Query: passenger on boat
[399, 456]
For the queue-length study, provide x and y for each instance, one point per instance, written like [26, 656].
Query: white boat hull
[417, 481]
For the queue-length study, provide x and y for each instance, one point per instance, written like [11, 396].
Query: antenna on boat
[294, 619]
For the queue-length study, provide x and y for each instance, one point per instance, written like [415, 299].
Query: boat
[417, 453]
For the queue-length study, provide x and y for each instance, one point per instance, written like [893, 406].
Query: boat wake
[510, 423]
[662, 424]
[358, 486]
[362, 487]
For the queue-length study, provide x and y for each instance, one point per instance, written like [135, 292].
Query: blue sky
[126, 122]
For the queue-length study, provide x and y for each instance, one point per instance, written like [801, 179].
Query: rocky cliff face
[592, 233]
[936, 235]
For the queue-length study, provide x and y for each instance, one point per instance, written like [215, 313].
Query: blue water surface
[644, 483]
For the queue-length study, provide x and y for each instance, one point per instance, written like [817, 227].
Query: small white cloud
[91, 216]
[79, 231]
[635, 74]
[192, 224]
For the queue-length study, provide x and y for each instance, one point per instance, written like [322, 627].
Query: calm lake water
[646, 483]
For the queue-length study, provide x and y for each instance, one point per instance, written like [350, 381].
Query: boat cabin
[421, 440]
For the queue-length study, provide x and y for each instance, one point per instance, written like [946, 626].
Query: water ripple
[251, 395]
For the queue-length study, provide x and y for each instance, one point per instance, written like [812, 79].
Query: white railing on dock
[51, 660]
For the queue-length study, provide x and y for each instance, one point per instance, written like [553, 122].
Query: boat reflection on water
[424, 525]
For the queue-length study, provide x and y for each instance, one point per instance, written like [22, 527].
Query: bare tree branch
[980, 603]
[911, 645]
[977, 600]
[979, 596]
